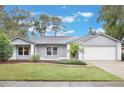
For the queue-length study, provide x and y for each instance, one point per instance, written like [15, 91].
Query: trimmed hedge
[70, 62]
[35, 58]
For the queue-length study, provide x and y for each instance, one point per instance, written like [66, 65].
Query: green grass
[70, 62]
[32, 71]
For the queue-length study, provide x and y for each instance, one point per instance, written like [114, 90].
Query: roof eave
[29, 41]
[111, 38]
[52, 43]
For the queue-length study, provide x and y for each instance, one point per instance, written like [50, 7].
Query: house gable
[20, 41]
[100, 40]
[97, 39]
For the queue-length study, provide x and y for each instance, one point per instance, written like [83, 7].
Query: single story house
[122, 47]
[96, 46]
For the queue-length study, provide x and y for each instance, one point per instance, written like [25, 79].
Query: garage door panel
[99, 53]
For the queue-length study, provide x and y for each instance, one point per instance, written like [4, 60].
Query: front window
[54, 50]
[51, 50]
[20, 50]
[48, 50]
[23, 50]
[26, 50]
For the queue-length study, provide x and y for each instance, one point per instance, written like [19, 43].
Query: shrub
[35, 58]
[70, 61]
[5, 47]
[122, 56]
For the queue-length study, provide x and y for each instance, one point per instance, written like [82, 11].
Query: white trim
[68, 52]
[94, 35]
[32, 49]
[80, 52]
[111, 38]
[119, 51]
[28, 41]
[13, 57]
[23, 50]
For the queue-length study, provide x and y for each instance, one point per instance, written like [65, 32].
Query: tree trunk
[55, 33]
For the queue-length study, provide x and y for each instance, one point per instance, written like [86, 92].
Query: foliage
[5, 47]
[112, 17]
[90, 30]
[74, 48]
[22, 19]
[14, 22]
[19, 15]
[17, 22]
[41, 24]
[34, 71]
[56, 24]
[70, 62]
[35, 58]
[45, 21]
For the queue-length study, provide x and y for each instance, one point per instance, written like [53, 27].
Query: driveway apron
[114, 67]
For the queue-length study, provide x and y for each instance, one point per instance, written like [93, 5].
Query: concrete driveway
[114, 67]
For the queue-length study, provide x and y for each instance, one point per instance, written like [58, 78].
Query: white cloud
[35, 13]
[86, 14]
[65, 33]
[99, 30]
[49, 34]
[61, 33]
[31, 29]
[64, 7]
[71, 19]
[68, 19]
[49, 28]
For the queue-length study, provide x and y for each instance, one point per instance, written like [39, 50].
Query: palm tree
[74, 48]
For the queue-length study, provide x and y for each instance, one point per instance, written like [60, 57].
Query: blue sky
[77, 19]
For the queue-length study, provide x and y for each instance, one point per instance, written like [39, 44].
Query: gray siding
[19, 42]
[23, 57]
[61, 53]
[122, 50]
[99, 41]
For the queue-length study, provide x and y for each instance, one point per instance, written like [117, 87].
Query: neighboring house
[95, 46]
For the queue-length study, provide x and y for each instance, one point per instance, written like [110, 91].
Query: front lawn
[47, 71]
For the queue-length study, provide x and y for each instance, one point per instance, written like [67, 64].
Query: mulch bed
[25, 61]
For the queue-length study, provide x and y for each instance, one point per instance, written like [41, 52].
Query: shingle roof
[90, 36]
[65, 39]
[53, 40]
[83, 38]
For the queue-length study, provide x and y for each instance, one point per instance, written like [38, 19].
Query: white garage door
[99, 53]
